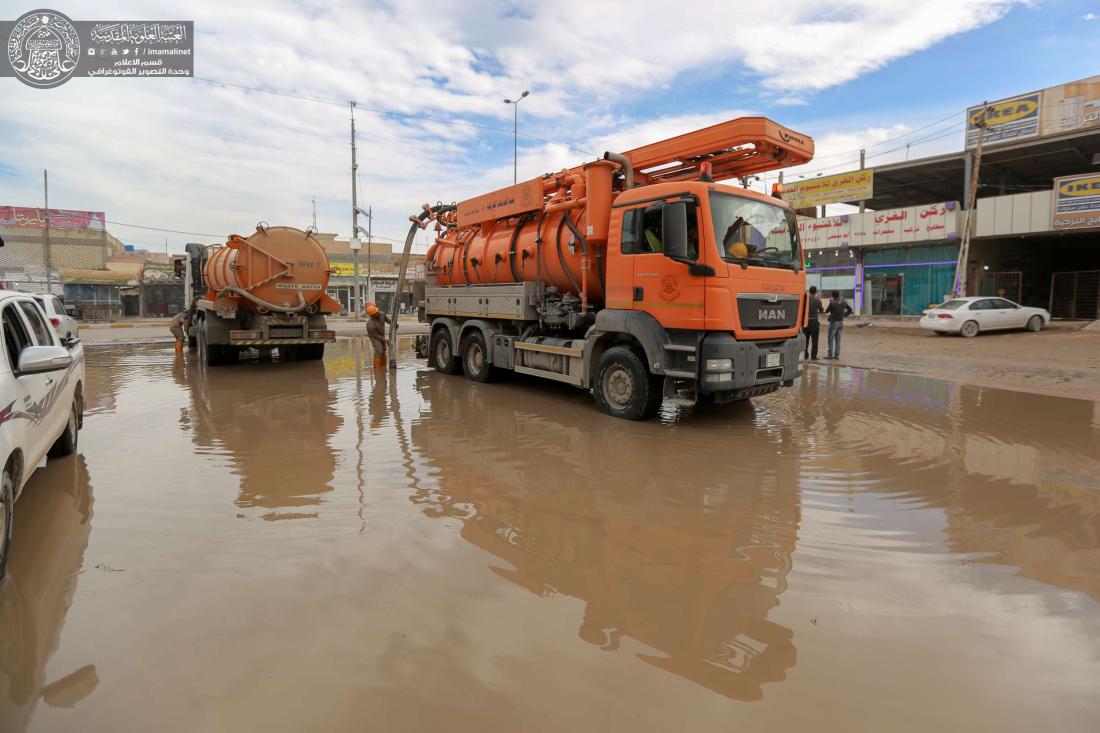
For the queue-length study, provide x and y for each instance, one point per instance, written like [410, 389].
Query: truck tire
[624, 388]
[441, 352]
[7, 507]
[65, 445]
[475, 358]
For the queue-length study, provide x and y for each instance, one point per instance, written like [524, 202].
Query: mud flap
[680, 392]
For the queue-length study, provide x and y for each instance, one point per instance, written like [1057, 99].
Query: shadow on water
[54, 522]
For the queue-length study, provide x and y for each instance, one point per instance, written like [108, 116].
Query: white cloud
[188, 155]
[1089, 16]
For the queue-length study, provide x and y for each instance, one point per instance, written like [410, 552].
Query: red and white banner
[15, 216]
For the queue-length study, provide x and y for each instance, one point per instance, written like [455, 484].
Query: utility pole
[46, 230]
[354, 241]
[315, 212]
[972, 202]
[862, 163]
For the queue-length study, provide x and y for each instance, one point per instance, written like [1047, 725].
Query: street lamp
[515, 133]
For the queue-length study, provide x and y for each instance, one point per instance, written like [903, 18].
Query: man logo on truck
[771, 314]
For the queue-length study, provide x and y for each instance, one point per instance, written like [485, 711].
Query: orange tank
[275, 268]
[505, 249]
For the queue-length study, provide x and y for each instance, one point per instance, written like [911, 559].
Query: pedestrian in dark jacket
[838, 310]
[813, 326]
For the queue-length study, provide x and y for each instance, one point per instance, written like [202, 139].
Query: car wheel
[442, 352]
[7, 507]
[475, 358]
[65, 445]
[1035, 324]
[624, 387]
[969, 329]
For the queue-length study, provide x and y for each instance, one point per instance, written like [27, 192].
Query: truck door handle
[639, 293]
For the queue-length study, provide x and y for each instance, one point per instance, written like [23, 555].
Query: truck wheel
[7, 506]
[442, 353]
[624, 387]
[475, 358]
[65, 445]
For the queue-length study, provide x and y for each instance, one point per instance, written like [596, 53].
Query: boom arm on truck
[636, 276]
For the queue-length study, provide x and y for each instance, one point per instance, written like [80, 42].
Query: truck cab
[716, 266]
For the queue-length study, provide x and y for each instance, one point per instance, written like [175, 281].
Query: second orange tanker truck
[637, 276]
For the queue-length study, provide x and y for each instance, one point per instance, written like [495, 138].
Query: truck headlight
[718, 365]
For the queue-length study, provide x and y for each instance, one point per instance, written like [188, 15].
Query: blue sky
[197, 157]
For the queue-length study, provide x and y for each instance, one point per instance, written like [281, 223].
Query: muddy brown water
[325, 547]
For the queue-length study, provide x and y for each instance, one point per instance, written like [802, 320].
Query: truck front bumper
[732, 369]
[279, 342]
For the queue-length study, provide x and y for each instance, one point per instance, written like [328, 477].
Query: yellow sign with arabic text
[850, 186]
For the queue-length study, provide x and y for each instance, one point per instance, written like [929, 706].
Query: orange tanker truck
[265, 292]
[636, 276]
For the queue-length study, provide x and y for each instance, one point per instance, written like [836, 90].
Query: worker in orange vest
[376, 332]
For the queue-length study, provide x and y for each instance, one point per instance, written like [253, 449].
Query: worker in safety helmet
[178, 326]
[376, 332]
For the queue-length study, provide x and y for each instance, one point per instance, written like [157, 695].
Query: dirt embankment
[1064, 362]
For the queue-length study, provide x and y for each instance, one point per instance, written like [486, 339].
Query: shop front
[903, 281]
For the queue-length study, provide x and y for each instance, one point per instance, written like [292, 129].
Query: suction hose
[413, 229]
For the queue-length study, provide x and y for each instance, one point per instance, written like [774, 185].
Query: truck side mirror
[674, 230]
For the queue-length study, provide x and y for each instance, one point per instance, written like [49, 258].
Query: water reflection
[680, 539]
[53, 524]
[274, 423]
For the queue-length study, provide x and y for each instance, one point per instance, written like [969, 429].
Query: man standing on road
[838, 310]
[376, 332]
[178, 327]
[813, 326]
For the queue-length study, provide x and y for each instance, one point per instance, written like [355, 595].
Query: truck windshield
[754, 232]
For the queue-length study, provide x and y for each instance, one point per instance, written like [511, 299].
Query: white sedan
[971, 316]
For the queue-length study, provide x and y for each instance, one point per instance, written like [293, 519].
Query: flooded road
[325, 547]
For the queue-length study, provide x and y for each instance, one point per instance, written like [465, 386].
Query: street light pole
[515, 133]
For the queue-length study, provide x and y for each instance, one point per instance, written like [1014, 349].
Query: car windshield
[951, 305]
[754, 232]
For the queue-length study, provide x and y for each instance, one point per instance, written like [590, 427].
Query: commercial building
[1035, 219]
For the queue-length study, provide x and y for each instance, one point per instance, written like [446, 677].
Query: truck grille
[285, 332]
[762, 313]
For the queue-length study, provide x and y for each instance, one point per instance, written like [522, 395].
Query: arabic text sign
[892, 226]
[1076, 202]
[45, 49]
[506, 202]
[850, 186]
[15, 216]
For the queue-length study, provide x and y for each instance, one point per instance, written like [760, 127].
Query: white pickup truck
[41, 399]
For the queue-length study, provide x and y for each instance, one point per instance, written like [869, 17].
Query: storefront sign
[892, 226]
[15, 216]
[1053, 111]
[1076, 202]
[851, 186]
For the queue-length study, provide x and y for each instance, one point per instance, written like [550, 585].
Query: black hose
[538, 258]
[414, 227]
[512, 250]
[584, 248]
[561, 257]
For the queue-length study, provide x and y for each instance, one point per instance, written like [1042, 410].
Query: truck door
[663, 287]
